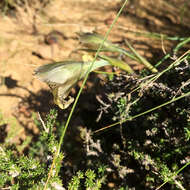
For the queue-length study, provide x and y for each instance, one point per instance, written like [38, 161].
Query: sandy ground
[23, 46]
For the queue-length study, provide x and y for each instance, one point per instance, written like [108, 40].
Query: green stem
[142, 59]
[143, 113]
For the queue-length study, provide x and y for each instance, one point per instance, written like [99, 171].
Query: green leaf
[118, 63]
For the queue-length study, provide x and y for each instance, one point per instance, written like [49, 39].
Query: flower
[63, 76]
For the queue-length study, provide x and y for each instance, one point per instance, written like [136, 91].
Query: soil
[24, 46]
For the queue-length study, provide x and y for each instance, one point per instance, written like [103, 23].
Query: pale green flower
[63, 76]
[93, 41]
